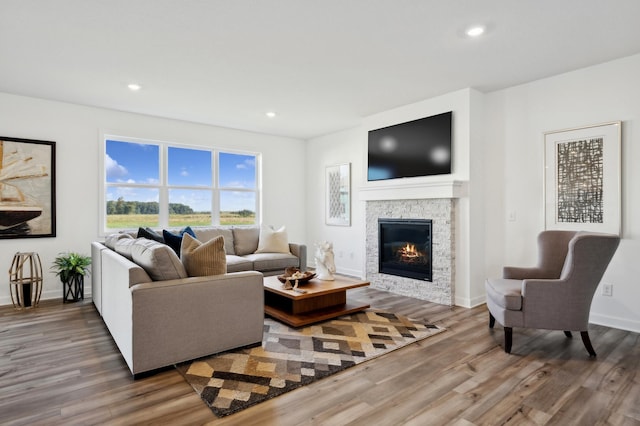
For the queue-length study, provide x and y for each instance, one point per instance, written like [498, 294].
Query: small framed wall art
[582, 178]
[338, 195]
[27, 188]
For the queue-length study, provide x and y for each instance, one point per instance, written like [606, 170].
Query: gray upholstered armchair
[556, 294]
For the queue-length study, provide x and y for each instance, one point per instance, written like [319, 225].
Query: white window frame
[163, 185]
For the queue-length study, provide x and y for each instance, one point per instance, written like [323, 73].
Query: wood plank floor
[59, 365]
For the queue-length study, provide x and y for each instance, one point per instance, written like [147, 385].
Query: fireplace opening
[404, 248]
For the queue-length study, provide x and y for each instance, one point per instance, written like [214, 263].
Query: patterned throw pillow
[203, 259]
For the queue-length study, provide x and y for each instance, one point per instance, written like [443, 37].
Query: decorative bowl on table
[293, 274]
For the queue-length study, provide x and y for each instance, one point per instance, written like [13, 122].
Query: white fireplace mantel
[412, 191]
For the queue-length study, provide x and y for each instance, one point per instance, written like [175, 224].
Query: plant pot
[73, 289]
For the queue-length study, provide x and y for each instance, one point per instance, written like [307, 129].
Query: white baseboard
[615, 322]
[350, 272]
[465, 302]
[47, 295]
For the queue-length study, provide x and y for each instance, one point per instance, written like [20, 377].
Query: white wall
[505, 146]
[348, 241]
[466, 133]
[505, 171]
[351, 146]
[76, 129]
[517, 119]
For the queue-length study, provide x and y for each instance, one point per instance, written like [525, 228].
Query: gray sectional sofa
[158, 316]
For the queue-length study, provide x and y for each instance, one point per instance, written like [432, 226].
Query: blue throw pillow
[175, 240]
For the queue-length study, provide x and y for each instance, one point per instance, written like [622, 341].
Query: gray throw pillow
[123, 247]
[245, 240]
[158, 260]
[111, 240]
[207, 233]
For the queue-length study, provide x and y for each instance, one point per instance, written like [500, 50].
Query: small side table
[25, 280]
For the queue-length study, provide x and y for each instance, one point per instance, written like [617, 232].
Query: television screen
[417, 148]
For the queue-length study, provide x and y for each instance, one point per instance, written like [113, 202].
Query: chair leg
[492, 320]
[508, 339]
[587, 343]
[568, 334]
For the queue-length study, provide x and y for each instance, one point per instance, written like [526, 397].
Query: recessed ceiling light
[134, 87]
[270, 114]
[475, 31]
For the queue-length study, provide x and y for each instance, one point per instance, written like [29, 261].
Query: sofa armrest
[179, 320]
[96, 274]
[230, 276]
[299, 251]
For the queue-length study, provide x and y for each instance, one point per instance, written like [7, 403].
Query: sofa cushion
[110, 240]
[206, 234]
[203, 259]
[238, 264]
[123, 247]
[245, 240]
[150, 234]
[175, 240]
[272, 261]
[157, 259]
[273, 241]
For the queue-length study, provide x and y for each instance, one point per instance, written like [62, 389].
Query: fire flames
[409, 251]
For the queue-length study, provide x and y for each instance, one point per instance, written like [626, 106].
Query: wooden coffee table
[322, 300]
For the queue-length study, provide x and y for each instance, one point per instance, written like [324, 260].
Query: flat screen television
[420, 147]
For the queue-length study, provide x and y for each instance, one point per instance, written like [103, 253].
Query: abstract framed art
[338, 195]
[582, 188]
[27, 188]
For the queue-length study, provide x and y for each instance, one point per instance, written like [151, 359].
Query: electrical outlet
[607, 290]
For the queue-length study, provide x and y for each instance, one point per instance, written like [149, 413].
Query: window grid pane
[159, 185]
[237, 208]
[189, 167]
[188, 207]
[128, 163]
[237, 170]
[130, 207]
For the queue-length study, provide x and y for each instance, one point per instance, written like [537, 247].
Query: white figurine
[325, 265]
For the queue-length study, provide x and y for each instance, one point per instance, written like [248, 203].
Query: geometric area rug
[293, 357]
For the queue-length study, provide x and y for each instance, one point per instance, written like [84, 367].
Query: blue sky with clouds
[135, 163]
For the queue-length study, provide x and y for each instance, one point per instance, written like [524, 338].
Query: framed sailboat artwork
[27, 188]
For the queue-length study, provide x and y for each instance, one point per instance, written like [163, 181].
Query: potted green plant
[71, 268]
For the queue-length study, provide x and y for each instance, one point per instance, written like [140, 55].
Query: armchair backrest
[553, 247]
[588, 256]
[564, 303]
[552, 252]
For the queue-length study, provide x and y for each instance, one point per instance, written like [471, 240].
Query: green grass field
[133, 221]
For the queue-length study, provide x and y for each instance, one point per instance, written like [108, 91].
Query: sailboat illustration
[16, 208]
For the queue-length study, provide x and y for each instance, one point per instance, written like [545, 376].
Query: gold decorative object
[25, 280]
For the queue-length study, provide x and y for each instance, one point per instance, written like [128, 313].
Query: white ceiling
[321, 65]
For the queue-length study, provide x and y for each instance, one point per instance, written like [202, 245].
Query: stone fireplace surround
[442, 212]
